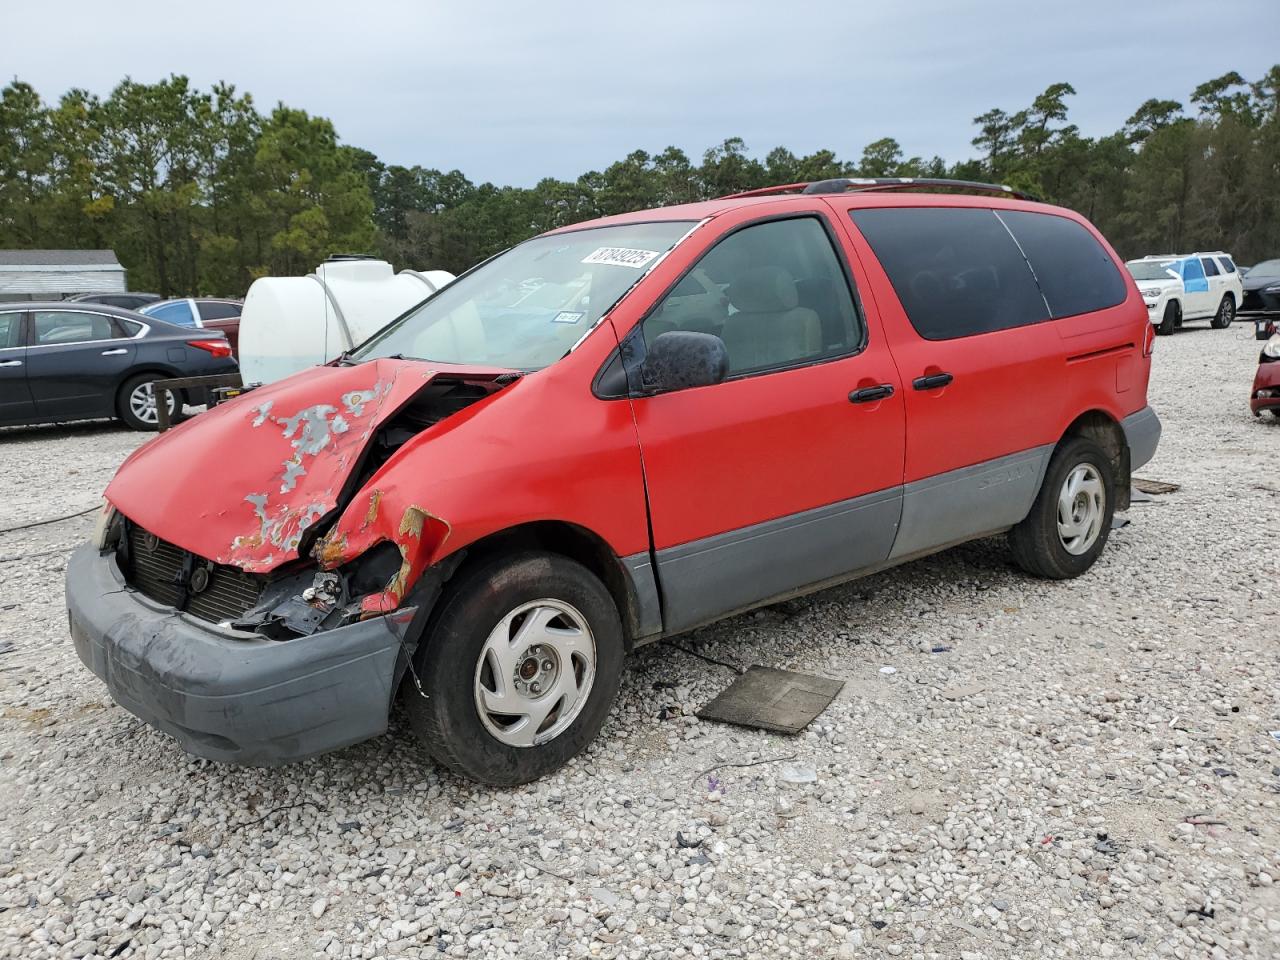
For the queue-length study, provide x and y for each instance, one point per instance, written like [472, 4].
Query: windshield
[1150, 270]
[1267, 268]
[526, 308]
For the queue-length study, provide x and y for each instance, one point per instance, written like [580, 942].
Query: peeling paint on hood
[242, 483]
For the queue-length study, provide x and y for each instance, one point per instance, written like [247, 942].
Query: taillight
[218, 348]
[1149, 340]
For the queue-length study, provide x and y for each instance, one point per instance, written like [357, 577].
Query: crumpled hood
[241, 483]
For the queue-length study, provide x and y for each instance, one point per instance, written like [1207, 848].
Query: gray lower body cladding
[706, 578]
[227, 697]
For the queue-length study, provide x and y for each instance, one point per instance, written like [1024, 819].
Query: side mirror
[681, 359]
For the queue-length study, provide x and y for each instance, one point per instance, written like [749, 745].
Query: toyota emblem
[199, 579]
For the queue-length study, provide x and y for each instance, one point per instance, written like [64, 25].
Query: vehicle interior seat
[770, 327]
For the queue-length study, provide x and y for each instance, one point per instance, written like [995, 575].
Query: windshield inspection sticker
[568, 316]
[620, 257]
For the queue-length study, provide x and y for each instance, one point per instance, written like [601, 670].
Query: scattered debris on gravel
[1014, 768]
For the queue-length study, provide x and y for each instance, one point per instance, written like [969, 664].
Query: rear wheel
[1070, 520]
[136, 402]
[1172, 316]
[519, 668]
[1226, 313]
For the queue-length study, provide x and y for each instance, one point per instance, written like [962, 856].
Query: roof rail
[883, 184]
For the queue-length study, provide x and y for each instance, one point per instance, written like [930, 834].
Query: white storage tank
[291, 323]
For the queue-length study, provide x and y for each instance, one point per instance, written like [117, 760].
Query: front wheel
[1169, 322]
[1226, 313]
[1070, 520]
[519, 668]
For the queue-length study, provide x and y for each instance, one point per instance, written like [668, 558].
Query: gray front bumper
[1142, 431]
[231, 696]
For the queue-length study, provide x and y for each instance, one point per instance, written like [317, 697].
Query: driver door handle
[872, 394]
[932, 381]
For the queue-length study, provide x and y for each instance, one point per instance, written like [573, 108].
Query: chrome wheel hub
[535, 673]
[1081, 508]
[142, 403]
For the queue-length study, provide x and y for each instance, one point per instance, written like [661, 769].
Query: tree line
[200, 192]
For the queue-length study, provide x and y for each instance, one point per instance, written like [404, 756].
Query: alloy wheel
[1081, 509]
[535, 673]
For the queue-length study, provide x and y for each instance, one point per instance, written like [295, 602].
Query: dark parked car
[209, 313]
[125, 301]
[70, 361]
[1261, 302]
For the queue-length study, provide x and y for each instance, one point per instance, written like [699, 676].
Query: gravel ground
[1084, 771]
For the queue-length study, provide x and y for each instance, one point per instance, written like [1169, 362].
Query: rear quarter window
[1075, 272]
[956, 270]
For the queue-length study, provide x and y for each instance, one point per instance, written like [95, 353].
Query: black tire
[447, 720]
[124, 406]
[1226, 313]
[1037, 546]
[1171, 320]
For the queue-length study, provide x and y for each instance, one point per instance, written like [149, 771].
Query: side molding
[969, 502]
[729, 571]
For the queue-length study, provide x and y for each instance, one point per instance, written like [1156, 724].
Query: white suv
[1193, 286]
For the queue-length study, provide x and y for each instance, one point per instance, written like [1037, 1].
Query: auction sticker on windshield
[620, 257]
[568, 316]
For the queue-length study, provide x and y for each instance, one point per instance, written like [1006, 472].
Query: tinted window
[1227, 265]
[1075, 274]
[68, 326]
[1210, 266]
[775, 293]
[177, 312]
[218, 310]
[128, 328]
[10, 330]
[956, 270]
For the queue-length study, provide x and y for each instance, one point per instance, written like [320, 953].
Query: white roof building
[54, 274]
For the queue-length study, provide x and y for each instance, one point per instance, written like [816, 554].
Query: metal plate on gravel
[769, 699]
[1154, 486]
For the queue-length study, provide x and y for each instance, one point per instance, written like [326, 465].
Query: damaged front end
[259, 577]
[312, 545]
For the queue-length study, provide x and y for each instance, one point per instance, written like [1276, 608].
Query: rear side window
[177, 312]
[218, 310]
[57, 326]
[1075, 274]
[1210, 266]
[1227, 265]
[956, 270]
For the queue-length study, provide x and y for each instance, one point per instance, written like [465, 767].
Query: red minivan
[610, 434]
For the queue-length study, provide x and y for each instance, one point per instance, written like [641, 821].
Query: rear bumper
[1266, 382]
[1142, 432]
[229, 696]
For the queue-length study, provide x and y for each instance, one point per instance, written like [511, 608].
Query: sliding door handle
[932, 381]
[872, 394]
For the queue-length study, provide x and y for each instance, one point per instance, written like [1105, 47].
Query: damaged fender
[376, 516]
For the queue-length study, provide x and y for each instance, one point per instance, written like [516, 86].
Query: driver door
[789, 472]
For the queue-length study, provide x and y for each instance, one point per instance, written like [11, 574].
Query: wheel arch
[149, 366]
[1102, 428]
[581, 545]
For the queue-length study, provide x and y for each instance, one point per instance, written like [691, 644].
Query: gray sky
[513, 92]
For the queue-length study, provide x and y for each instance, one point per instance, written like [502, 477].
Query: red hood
[241, 483]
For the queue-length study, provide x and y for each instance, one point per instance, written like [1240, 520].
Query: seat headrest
[764, 290]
